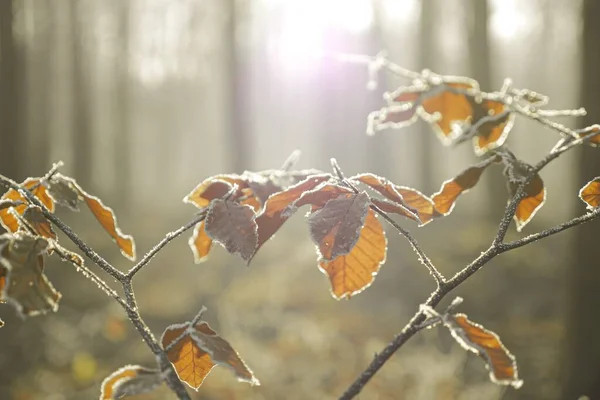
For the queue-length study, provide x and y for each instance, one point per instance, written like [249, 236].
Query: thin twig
[169, 236]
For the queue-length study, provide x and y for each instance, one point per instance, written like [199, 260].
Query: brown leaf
[200, 243]
[8, 221]
[486, 344]
[535, 196]
[26, 285]
[388, 189]
[317, 197]
[1, 323]
[214, 187]
[108, 220]
[490, 134]
[445, 199]
[442, 106]
[352, 273]
[232, 225]
[336, 227]
[595, 141]
[195, 350]
[64, 192]
[590, 193]
[420, 203]
[34, 217]
[272, 216]
[128, 381]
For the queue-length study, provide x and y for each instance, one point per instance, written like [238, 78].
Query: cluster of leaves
[31, 238]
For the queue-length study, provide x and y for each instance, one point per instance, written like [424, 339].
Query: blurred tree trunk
[82, 133]
[38, 77]
[427, 56]
[238, 129]
[479, 57]
[11, 132]
[582, 352]
[122, 110]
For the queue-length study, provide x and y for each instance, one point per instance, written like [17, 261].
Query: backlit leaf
[195, 350]
[64, 192]
[26, 285]
[272, 216]
[387, 189]
[516, 171]
[232, 225]
[128, 381]
[8, 221]
[445, 199]
[352, 273]
[420, 203]
[108, 220]
[490, 133]
[212, 188]
[317, 197]
[34, 217]
[200, 243]
[486, 344]
[336, 227]
[590, 193]
[535, 196]
[590, 130]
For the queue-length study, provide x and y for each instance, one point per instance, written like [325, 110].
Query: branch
[88, 251]
[497, 247]
[170, 236]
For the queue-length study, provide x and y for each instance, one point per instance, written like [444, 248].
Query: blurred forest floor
[278, 314]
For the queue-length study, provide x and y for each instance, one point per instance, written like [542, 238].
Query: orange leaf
[486, 344]
[108, 220]
[389, 190]
[336, 227]
[590, 193]
[200, 243]
[213, 188]
[34, 217]
[595, 141]
[195, 350]
[317, 197]
[26, 285]
[352, 273]
[490, 134]
[232, 225]
[535, 196]
[272, 217]
[128, 381]
[446, 107]
[418, 202]
[8, 221]
[445, 199]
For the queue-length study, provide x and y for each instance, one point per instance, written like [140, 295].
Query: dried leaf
[516, 171]
[535, 196]
[389, 190]
[272, 216]
[354, 272]
[445, 200]
[214, 187]
[34, 217]
[486, 344]
[64, 191]
[317, 197]
[195, 350]
[590, 193]
[336, 227]
[200, 243]
[420, 203]
[128, 381]
[26, 285]
[232, 225]
[8, 221]
[490, 133]
[593, 129]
